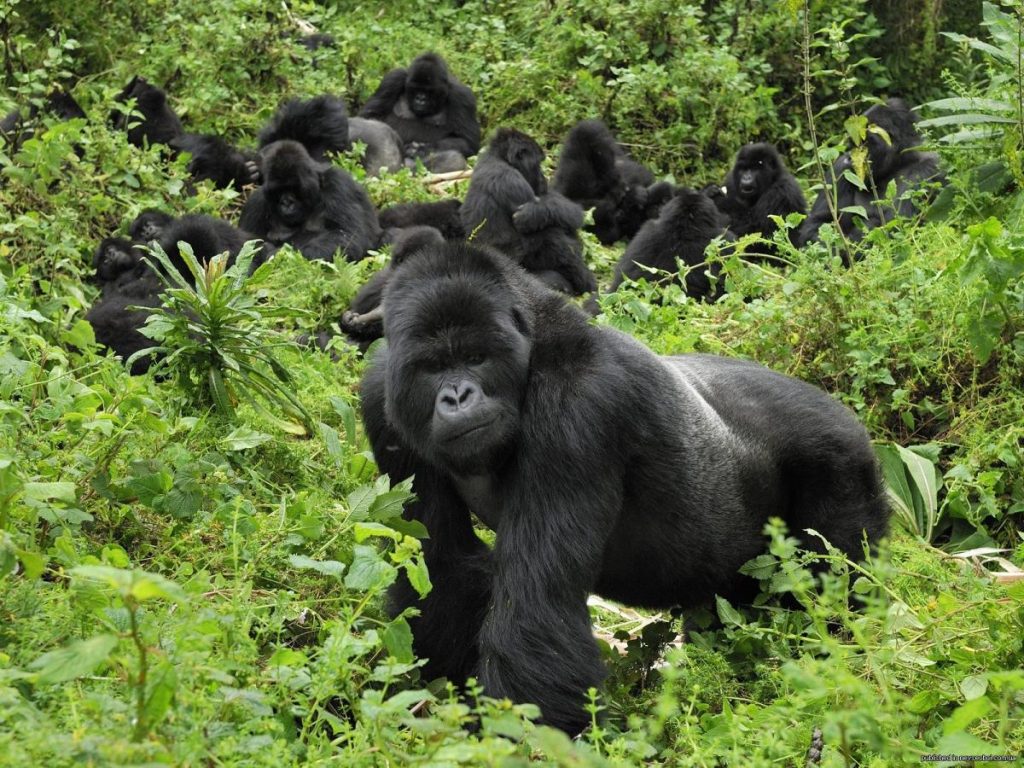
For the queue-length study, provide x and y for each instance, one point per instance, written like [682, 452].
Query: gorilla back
[601, 466]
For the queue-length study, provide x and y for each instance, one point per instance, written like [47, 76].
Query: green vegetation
[192, 565]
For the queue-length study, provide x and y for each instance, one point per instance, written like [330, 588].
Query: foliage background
[178, 586]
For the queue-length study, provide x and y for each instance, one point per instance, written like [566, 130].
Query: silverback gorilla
[601, 467]
[433, 113]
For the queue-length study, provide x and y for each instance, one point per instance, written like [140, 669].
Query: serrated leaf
[727, 613]
[973, 686]
[419, 579]
[364, 530]
[368, 570]
[50, 492]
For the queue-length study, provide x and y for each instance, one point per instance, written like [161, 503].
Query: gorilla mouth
[747, 189]
[476, 428]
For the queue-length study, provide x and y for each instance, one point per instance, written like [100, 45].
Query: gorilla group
[600, 466]
[508, 205]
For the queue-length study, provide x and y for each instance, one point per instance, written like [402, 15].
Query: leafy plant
[912, 483]
[215, 339]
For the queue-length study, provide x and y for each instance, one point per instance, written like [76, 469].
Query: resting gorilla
[758, 186]
[211, 156]
[206, 235]
[20, 123]
[442, 215]
[383, 145]
[127, 280]
[434, 113]
[898, 162]
[687, 223]
[315, 207]
[508, 206]
[600, 466]
[595, 171]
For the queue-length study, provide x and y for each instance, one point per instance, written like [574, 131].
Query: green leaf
[50, 491]
[966, 714]
[243, 438]
[761, 567]
[973, 686]
[162, 686]
[368, 570]
[727, 613]
[397, 637]
[326, 567]
[924, 701]
[75, 660]
[419, 579]
[364, 530]
[151, 586]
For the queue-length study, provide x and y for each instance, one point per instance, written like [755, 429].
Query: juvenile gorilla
[315, 207]
[595, 171]
[600, 466]
[433, 113]
[211, 156]
[758, 186]
[319, 124]
[687, 223]
[896, 160]
[508, 206]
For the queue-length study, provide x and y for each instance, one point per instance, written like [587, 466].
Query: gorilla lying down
[600, 466]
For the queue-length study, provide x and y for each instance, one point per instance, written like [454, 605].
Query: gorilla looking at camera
[758, 187]
[508, 206]
[891, 158]
[600, 466]
[433, 113]
[317, 208]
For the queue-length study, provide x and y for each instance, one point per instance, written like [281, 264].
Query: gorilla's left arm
[536, 643]
[550, 210]
[256, 215]
[347, 207]
[464, 128]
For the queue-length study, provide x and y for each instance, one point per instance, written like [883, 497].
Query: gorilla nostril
[468, 392]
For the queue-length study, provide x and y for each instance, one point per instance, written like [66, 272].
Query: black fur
[364, 319]
[509, 207]
[595, 171]
[158, 124]
[21, 122]
[899, 162]
[759, 186]
[319, 124]
[443, 215]
[315, 207]
[212, 157]
[600, 466]
[431, 110]
[685, 226]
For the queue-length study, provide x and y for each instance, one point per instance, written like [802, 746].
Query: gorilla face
[427, 86]
[150, 225]
[292, 183]
[458, 359]
[756, 168]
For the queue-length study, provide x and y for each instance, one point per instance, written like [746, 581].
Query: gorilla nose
[455, 401]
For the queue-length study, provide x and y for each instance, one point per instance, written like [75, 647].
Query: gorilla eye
[477, 358]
